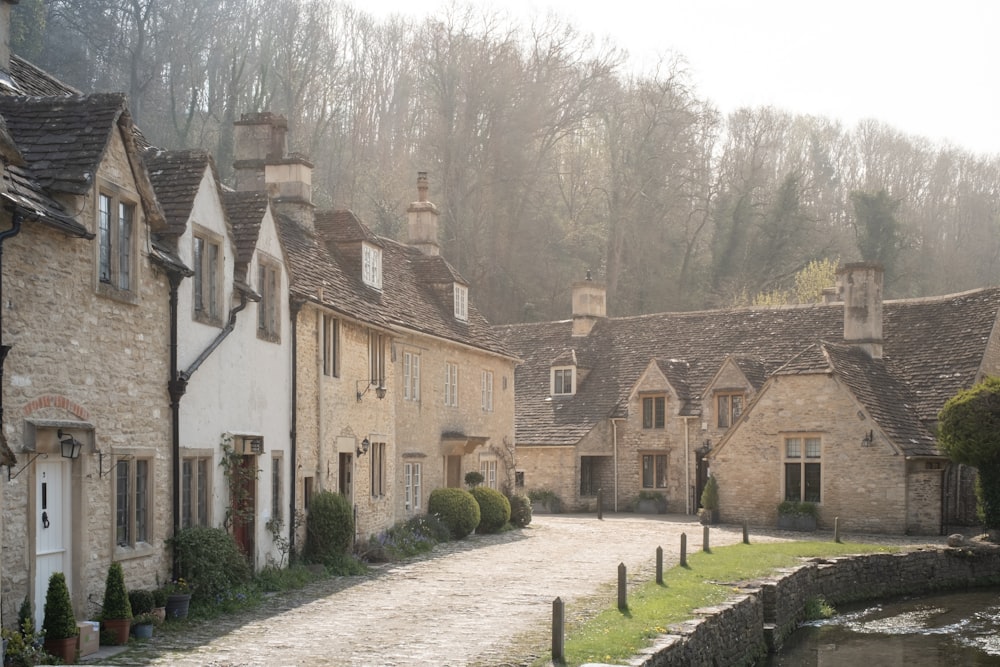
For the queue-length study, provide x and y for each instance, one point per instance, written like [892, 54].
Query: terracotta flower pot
[118, 628]
[64, 649]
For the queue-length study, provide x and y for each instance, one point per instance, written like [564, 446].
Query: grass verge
[708, 579]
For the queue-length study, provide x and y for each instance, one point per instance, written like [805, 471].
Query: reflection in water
[951, 629]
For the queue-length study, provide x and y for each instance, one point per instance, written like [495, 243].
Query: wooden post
[836, 529]
[704, 541]
[622, 593]
[659, 565]
[600, 504]
[746, 532]
[558, 627]
[684, 550]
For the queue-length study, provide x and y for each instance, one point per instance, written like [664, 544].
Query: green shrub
[59, 622]
[520, 510]
[407, 538]
[211, 562]
[115, 604]
[795, 508]
[710, 494]
[547, 498]
[159, 597]
[494, 509]
[329, 528]
[473, 479]
[456, 508]
[141, 601]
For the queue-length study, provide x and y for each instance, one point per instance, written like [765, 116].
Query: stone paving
[485, 601]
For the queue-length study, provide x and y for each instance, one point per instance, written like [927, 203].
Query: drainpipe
[614, 437]
[687, 464]
[294, 306]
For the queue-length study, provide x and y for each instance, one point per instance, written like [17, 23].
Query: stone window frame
[488, 469]
[376, 357]
[451, 384]
[371, 265]
[117, 265]
[461, 302]
[654, 459]
[194, 498]
[654, 411]
[411, 376]
[207, 281]
[728, 414]
[807, 456]
[331, 346]
[412, 485]
[486, 383]
[129, 545]
[269, 306]
[379, 483]
[277, 486]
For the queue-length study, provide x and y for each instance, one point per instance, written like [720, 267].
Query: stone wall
[743, 629]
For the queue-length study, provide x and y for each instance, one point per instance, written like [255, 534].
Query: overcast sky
[927, 67]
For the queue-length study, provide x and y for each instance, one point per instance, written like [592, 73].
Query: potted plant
[142, 625]
[116, 611]
[651, 502]
[178, 598]
[709, 513]
[795, 515]
[59, 623]
[160, 603]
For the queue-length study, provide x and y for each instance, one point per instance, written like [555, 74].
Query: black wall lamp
[379, 389]
[868, 439]
[363, 447]
[70, 447]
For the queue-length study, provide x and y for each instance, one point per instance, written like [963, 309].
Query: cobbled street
[483, 601]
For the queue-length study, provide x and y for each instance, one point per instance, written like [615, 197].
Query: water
[951, 629]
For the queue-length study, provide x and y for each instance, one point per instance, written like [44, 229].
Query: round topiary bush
[520, 510]
[457, 508]
[211, 561]
[329, 528]
[494, 509]
[141, 600]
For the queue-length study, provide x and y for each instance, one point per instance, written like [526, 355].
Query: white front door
[52, 528]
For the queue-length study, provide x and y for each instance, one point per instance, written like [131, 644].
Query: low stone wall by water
[746, 627]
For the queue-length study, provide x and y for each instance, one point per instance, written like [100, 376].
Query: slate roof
[933, 346]
[325, 269]
[246, 211]
[32, 80]
[176, 177]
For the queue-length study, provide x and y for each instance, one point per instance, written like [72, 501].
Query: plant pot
[651, 506]
[160, 613]
[798, 522]
[64, 649]
[143, 630]
[117, 628]
[177, 605]
[708, 517]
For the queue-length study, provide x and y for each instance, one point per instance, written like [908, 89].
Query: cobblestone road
[486, 600]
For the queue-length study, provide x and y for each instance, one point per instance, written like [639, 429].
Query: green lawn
[708, 579]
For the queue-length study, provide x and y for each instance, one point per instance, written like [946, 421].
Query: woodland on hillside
[548, 153]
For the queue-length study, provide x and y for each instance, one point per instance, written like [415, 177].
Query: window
[411, 376]
[588, 476]
[488, 469]
[194, 491]
[654, 411]
[116, 226]
[276, 499]
[461, 302]
[132, 511]
[371, 265]
[207, 284]
[307, 492]
[331, 331]
[268, 309]
[451, 384]
[562, 380]
[519, 479]
[377, 452]
[487, 391]
[411, 483]
[654, 471]
[729, 407]
[376, 357]
[802, 468]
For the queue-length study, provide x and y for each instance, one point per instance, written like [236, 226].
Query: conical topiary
[59, 622]
[116, 604]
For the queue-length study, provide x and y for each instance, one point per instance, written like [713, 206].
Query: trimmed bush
[141, 601]
[457, 508]
[329, 528]
[116, 604]
[473, 479]
[494, 509]
[59, 622]
[211, 562]
[520, 510]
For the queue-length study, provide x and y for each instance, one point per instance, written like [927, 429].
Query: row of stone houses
[832, 403]
[182, 353]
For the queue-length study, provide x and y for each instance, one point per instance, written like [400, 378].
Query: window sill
[209, 320]
[140, 550]
[269, 337]
[111, 292]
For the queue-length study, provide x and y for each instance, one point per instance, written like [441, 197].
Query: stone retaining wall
[741, 631]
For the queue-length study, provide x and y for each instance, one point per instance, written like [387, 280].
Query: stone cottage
[774, 401]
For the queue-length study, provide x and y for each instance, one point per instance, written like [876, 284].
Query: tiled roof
[933, 346]
[34, 81]
[176, 177]
[246, 211]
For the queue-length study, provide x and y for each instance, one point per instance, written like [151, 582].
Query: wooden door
[52, 528]
[243, 499]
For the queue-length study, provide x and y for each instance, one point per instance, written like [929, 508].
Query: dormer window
[371, 265]
[461, 302]
[562, 381]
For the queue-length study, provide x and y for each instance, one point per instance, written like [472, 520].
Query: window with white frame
[411, 485]
[371, 265]
[451, 384]
[133, 483]
[331, 346]
[803, 468]
[487, 391]
[461, 302]
[488, 469]
[269, 306]
[207, 279]
[378, 464]
[562, 381]
[411, 376]
[115, 240]
[194, 491]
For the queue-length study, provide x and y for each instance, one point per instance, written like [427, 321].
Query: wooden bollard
[836, 529]
[704, 540]
[600, 504]
[558, 631]
[622, 593]
[659, 565]
[746, 532]
[684, 550]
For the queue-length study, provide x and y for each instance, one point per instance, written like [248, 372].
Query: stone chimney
[589, 305]
[5, 8]
[422, 220]
[262, 164]
[861, 287]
